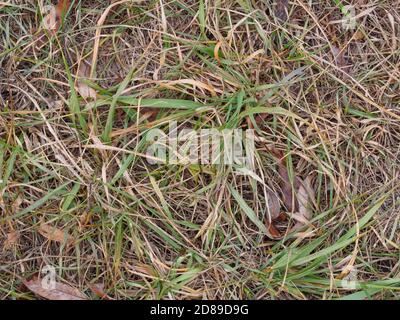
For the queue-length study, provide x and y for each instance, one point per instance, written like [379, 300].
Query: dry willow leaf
[62, 7]
[149, 113]
[55, 234]
[60, 292]
[84, 90]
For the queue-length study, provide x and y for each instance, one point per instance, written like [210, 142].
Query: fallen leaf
[52, 21]
[216, 51]
[281, 11]
[287, 188]
[62, 8]
[297, 198]
[288, 197]
[358, 35]
[12, 240]
[149, 113]
[59, 292]
[273, 206]
[273, 231]
[304, 214]
[17, 203]
[98, 290]
[84, 90]
[145, 269]
[55, 234]
[340, 59]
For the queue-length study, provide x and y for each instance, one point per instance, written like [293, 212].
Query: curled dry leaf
[55, 234]
[17, 204]
[60, 291]
[62, 7]
[84, 90]
[144, 269]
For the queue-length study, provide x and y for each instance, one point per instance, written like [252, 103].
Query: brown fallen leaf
[60, 291]
[273, 207]
[83, 89]
[149, 113]
[12, 240]
[288, 195]
[52, 21]
[17, 203]
[273, 213]
[144, 269]
[358, 36]
[273, 231]
[304, 214]
[62, 7]
[340, 59]
[281, 11]
[98, 290]
[55, 234]
[297, 198]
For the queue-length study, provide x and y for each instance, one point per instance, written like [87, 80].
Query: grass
[325, 97]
